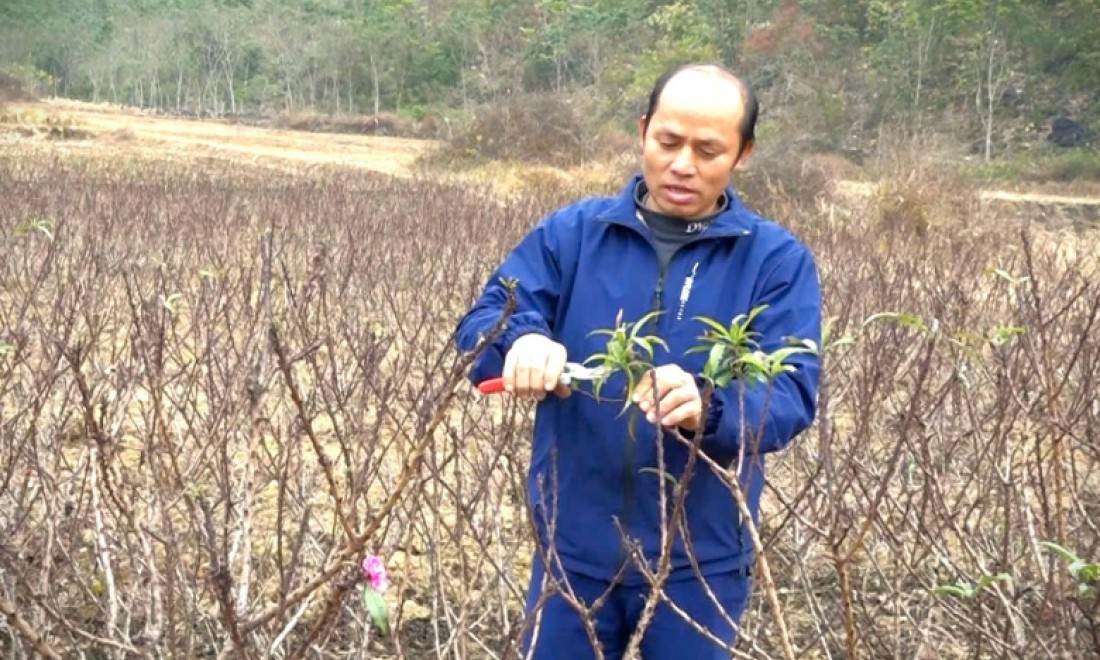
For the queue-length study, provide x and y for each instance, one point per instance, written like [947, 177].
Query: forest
[1001, 75]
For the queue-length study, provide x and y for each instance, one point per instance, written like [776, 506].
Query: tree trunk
[179, 88]
[351, 91]
[227, 66]
[924, 51]
[312, 88]
[374, 84]
[229, 83]
[991, 81]
[462, 79]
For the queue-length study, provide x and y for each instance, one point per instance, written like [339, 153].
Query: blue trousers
[560, 632]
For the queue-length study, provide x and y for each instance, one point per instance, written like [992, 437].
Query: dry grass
[158, 137]
[939, 455]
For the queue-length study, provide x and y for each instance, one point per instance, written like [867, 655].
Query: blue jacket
[576, 270]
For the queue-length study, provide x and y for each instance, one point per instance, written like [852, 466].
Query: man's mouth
[679, 195]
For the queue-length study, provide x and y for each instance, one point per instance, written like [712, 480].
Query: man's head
[699, 126]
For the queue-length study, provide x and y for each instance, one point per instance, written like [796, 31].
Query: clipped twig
[354, 547]
[36, 641]
[222, 583]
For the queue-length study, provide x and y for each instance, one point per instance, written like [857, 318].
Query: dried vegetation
[220, 388]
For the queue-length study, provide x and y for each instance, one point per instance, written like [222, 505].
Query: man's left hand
[681, 404]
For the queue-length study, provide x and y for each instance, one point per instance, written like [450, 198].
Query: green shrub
[1076, 165]
[15, 85]
[540, 128]
[1063, 165]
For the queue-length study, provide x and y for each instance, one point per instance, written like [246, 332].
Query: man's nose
[684, 162]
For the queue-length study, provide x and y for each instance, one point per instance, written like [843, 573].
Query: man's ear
[745, 153]
[643, 123]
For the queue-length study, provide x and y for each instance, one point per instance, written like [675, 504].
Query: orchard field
[222, 384]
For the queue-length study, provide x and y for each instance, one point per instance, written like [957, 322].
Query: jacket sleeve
[535, 266]
[765, 417]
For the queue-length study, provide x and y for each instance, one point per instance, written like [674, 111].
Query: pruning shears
[574, 371]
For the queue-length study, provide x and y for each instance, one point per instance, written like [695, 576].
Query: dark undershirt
[671, 233]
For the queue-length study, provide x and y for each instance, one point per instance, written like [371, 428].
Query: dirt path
[121, 131]
[867, 189]
[1038, 198]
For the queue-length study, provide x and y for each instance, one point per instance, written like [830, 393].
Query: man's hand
[533, 367]
[681, 403]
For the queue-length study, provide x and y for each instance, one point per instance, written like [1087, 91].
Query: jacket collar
[736, 220]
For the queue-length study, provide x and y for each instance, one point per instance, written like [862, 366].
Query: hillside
[833, 75]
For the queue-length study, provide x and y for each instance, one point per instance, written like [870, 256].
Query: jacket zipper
[628, 463]
[628, 469]
[659, 291]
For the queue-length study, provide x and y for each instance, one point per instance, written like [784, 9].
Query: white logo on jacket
[685, 291]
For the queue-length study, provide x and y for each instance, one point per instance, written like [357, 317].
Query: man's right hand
[534, 366]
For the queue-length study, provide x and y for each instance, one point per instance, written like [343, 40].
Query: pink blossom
[375, 570]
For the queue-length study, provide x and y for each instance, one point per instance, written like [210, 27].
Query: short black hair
[748, 117]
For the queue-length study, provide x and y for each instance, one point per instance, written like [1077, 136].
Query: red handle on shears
[491, 386]
[573, 372]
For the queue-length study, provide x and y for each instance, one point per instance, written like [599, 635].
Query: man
[679, 240]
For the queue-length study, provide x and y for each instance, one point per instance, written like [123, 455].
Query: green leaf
[716, 361]
[846, 340]
[40, 225]
[1064, 553]
[648, 470]
[988, 580]
[1009, 277]
[805, 345]
[753, 314]
[637, 326]
[781, 355]
[1083, 571]
[169, 302]
[718, 327]
[1002, 335]
[963, 591]
[907, 320]
[756, 360]
[647, 345]
[375, 606]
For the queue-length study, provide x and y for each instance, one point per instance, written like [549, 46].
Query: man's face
[690, 145]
